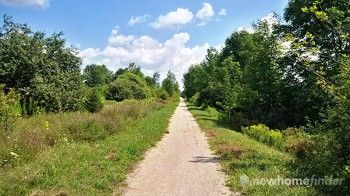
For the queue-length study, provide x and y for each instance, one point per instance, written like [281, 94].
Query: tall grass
[265, 135]
[79, 153]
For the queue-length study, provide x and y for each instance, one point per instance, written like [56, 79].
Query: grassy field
[79, 153]
[241, 155]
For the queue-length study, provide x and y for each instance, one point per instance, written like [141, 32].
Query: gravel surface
[180, 164]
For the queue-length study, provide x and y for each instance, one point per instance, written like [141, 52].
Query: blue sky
[159, 35]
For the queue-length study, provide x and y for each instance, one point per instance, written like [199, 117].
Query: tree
[327, 21]
[135, 69]
[328, 153]
[316, 29]
[40, 68]
[97, 75]
[94, 103]
[170, 84]
[193, 82]
[128, 86]
[119, 72]
[244, 78]
[321, 28]
[155, 78]
[228, 79]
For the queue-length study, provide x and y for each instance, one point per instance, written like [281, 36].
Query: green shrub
[296, 140]
[266, 135]
[128, 86]
[9, 111]
[163, 95]
[94, 103]
[328, 152]
[194, 98]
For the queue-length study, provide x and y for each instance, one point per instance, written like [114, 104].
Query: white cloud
[89, 54]
[117, 39]
[205, 14]
[173, 19]
[33, 3]
[152, 55]
[222, 12]
[134, 20]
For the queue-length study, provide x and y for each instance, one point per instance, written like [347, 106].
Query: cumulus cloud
[33, 3]
[117, 39]
[89, 54]
[134, 20]
[173, 19]
[205, 14]
[152, 55]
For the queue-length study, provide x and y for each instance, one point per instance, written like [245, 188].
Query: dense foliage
[170, 85]
[128, 86]
[40, 68]
[97, 75]
[287, 75]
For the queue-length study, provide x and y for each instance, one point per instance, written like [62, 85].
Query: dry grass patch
[211, 133]
[228, 150]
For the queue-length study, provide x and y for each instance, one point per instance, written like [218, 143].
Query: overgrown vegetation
[242, 156]
[263, 134]
[9, 112]
[80, 153]
[292, 74]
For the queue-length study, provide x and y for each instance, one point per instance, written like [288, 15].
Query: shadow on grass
[204, 159]
[254, 160]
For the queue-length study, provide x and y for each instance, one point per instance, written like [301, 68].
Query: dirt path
[180, 164]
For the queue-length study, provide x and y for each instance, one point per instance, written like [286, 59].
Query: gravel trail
[180, 164]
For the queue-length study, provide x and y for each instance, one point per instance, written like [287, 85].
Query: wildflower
[46, 125]
[14, 155]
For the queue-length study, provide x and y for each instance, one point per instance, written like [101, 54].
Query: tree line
[289, 73]
[41, 74]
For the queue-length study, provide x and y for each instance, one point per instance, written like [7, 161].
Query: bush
[297, 140]
[9, 111]
[94, 103]
[194, 99]
[163, 95]
[266, 135]
[128, 86]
